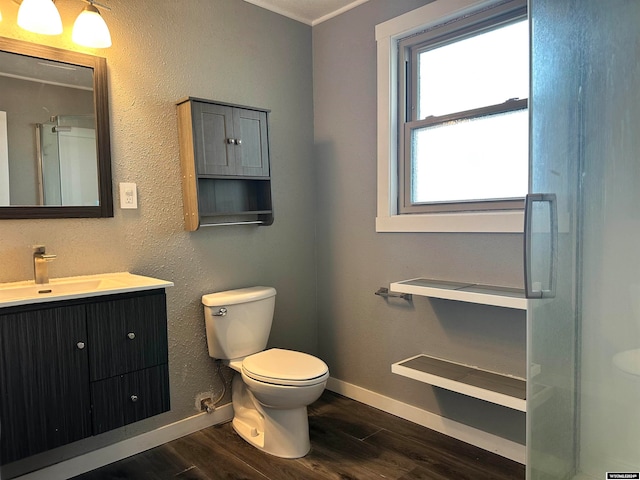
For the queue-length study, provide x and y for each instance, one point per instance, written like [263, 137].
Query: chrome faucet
[40, 260]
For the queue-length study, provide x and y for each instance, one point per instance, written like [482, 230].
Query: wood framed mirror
[55, 153]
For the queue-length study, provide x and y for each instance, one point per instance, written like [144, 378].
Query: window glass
[466, 148]
[485, 69]
[483, 158]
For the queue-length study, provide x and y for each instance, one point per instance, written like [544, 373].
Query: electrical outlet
[128, 195]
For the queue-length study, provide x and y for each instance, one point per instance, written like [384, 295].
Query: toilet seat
[285, 367]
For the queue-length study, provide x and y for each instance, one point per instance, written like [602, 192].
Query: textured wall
[361, 335]
[164, 50]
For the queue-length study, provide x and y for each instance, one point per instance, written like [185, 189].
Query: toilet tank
[238, 322]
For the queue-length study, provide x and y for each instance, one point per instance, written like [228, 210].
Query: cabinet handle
[134, 398]
[131, 335]
[238, 141]
[231, 141]
[80, 345]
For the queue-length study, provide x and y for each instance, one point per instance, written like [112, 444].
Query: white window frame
[388, 218]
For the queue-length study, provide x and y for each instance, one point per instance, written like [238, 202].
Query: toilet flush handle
[221, 313]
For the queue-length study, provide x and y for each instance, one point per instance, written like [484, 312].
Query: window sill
[476, 222]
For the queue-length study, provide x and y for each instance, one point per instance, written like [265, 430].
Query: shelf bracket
[385, 293]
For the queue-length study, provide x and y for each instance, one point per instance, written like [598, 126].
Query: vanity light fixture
[90, 29]
[40, 16]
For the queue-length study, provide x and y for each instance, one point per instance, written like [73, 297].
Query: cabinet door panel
[125, 399]
[126, 335]
[213, 128]
[252, 155]
[44, 381]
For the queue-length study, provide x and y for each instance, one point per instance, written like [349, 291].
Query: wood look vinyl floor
[349, 440]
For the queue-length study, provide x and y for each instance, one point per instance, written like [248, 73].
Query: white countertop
[27, 292]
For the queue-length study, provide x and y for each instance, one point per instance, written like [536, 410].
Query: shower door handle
[534, 285]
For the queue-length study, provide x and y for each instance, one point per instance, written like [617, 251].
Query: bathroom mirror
[55, 154]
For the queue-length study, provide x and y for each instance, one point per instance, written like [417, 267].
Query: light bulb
[40, 16]
[90, 29]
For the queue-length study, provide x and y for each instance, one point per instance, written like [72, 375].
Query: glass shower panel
[553, 322]
[610, 360]
[67, 156]
[50, 165]
[586, 149]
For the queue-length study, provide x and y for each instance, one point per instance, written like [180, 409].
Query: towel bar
[257, 222]
[385, 293]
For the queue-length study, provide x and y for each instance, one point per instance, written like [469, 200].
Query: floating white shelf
[500, 389]
[464, 292]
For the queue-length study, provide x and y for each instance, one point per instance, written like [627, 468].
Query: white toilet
[271, 394]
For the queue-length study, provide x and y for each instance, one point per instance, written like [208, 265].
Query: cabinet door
[252, 145]
[213, 132]
[127, 334]
[44, 381]
[125, 399]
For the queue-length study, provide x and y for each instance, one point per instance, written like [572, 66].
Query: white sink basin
[20, 293]
[53, 288]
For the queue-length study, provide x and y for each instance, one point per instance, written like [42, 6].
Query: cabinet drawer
[128, 398]
[126, 335]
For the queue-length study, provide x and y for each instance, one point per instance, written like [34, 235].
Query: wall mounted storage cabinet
[75, 368]
[224, 155]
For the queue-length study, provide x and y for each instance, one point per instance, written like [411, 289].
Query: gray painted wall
[164, 50]
[360, 334]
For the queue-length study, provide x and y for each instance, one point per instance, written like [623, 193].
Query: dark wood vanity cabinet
[76, 368]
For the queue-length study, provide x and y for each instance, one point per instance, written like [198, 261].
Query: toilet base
[280, 432]
[278, 437]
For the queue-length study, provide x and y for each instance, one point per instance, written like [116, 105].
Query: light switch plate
[128, 195]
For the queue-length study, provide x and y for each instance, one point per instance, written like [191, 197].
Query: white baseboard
[131, 446]
[146, 441]
[486, 441]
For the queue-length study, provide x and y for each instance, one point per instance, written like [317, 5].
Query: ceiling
[310, 12]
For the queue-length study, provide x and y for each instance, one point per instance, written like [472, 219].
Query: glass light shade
[90, 29]
[40, 16]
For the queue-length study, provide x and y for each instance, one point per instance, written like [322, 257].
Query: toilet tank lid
[241, 295]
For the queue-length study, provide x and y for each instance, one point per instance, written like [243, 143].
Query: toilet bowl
[272, 388]
[273, 384]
